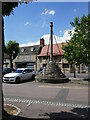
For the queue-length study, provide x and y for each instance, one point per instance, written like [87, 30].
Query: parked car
[8, 70]
[19, 75]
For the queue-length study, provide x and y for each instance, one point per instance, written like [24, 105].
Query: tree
[77, 49]
[12, 49]
[7, 9]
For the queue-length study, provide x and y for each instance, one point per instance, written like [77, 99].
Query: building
[37, 56]
[58, 56]
[6, 62]
[27, 56]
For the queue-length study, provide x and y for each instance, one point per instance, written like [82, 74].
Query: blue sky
[32, 21]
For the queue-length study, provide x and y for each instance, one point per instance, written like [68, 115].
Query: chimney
[42, 41]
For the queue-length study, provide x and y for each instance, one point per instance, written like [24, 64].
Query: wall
[6, 61]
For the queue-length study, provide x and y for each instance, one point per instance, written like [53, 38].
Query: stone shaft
[51, 42]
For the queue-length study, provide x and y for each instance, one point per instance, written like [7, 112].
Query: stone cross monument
[52, 73]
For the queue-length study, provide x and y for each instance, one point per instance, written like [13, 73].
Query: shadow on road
[77, 113]
[74, 114]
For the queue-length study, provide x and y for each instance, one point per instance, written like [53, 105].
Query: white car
[19, 75]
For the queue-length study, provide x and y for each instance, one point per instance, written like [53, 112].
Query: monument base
[52, 74]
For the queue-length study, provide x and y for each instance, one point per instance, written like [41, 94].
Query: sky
[30, 22]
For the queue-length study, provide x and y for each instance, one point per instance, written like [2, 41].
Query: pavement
[45, 112]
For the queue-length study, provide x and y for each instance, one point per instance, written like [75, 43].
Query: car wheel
[33, 77]
[17, 80]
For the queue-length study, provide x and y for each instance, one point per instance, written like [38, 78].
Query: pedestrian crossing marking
[29, 102]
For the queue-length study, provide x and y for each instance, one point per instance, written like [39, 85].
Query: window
[65, 65]
[55, 59]
[27, 71]
[30, 57]
[6, 65]
[23, 49]
[31, 49]
[83, 68]
[24, 57]
[30, 65]
[44, 65]
[18, 58]
[44, 57]
[4, 60]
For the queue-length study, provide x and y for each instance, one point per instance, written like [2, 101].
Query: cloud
[30, 44]
[27, 24]
[76, 9]
[51, 12]
[60, 31]
[45, 12]
[56, 39]
[48, 12]
[44, 24]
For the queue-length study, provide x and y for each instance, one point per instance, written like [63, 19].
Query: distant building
[58, 56]
[37, 56]
[27, 56]
[6, 62]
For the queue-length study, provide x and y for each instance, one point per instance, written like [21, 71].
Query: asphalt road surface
[37, 98]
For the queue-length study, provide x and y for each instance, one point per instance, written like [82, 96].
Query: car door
[24, 75]
[29, 74]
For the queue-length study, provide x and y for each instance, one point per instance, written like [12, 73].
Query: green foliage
[77, 49]
[8, 7]
[12, 49]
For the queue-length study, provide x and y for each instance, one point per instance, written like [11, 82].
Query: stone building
[27, 56]
[37, 56]
[58, 56]
[6, 62]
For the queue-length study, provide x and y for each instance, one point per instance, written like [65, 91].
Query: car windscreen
[18, 71]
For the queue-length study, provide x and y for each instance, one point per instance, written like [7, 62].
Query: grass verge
[10, 109]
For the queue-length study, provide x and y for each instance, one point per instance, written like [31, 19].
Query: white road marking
[29, 102]
[42, 86]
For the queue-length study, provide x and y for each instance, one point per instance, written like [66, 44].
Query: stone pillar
[51, 42]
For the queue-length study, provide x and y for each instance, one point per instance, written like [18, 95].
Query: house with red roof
[58, 56]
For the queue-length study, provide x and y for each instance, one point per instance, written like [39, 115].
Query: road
[34, 95]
